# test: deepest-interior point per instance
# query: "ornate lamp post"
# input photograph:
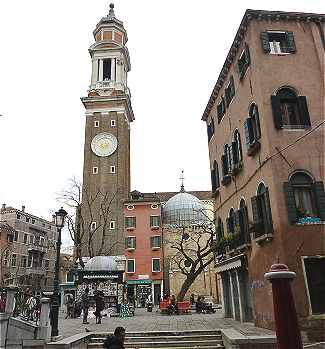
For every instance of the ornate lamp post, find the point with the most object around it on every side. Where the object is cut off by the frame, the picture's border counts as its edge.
(59, 222)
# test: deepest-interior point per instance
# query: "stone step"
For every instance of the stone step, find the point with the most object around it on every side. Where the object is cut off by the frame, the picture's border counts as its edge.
(164, 344)
(161, 333)
(185, 338)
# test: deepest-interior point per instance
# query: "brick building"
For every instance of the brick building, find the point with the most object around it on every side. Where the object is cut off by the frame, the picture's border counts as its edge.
(31, 257)
(265, 122)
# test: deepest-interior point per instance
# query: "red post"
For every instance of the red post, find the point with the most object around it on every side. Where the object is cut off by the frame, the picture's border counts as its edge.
(286, 320)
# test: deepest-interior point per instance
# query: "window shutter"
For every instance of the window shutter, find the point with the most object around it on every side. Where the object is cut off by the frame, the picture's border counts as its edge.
(318, 188)
(249, 134)
(257, 123)
(217, 176)
(235, 157)
(290, 202)
(265, 42)
(151, 241)
(291, 46)
(256, 215)
(126, 242)
(213, 180)
(276, 108)
(247, 56)
(228, 224)
(237, 224)
(230, 158)
(303, 110)
(269, 221)
(134, 242)
(224, 165)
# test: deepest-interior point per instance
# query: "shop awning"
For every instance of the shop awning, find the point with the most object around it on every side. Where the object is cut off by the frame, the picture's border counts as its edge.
(139, 282)
(229, 264)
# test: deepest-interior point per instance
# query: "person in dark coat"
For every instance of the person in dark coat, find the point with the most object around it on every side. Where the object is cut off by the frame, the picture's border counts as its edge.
(85, 305)
(117, 340)
(99, 300)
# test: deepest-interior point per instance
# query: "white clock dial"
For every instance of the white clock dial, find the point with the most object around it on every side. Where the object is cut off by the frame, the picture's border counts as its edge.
(104, 144)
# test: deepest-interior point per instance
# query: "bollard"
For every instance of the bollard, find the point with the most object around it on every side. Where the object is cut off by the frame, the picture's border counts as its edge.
(10, 303)
(45, 327)
(286, 320)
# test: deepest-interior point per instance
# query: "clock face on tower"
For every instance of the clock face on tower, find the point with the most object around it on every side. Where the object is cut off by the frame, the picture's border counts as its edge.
(104, 144)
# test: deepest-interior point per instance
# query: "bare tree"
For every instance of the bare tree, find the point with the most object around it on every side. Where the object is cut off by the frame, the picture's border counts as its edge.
(194, 247)
(83, 211)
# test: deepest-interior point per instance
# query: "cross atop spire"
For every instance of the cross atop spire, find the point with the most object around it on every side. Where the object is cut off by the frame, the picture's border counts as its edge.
(182, 181)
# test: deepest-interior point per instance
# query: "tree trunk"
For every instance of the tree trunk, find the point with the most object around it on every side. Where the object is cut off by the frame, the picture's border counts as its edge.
(186, 285)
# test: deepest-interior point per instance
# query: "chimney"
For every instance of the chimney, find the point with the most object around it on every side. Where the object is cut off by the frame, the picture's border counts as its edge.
(3, 207)
(23, 208)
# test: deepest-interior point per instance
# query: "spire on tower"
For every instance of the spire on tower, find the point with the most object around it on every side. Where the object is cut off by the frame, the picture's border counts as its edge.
(182, 182)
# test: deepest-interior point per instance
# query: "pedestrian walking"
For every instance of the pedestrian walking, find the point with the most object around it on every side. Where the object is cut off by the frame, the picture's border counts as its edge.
(69, 305)
(117, 340)
(85, 305)
(100, 304)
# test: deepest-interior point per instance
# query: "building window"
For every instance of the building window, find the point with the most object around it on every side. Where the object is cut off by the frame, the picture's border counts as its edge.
(112, 169)
(46, 264)
(237, 154)
(95, 170)
(130, 266)
(130, 207)
(33, 221)
(230, 221)
(25, 238)
(6, 258)
(130, 242)
(96, 123)
(18, 215)
(221, 109)
(304, 198)
(112, 225)
(130, 222)
(93, 226)
(226, 160)
(252, 130)
(243, 62)
(113, 123)
(289, 110)
(154, 221)
(27, 219)
(155, 265)
(242, 222)
(23, 262)
(210, 130)
(215, 181)
(31, 239)
(314, 267)
(13, 260)
(278, 42)
(107, 66)
(262, 214)
(30, 261)
(230, 91)
(155, 241)
(16, 235)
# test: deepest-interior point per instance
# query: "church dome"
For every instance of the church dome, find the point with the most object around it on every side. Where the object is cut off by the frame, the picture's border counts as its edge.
(183, 209)
(102, 263)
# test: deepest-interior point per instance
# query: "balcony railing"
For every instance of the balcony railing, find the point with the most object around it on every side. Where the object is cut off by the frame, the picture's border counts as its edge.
(35, 271)
(37, 248)
(110, 84)
(232, 242)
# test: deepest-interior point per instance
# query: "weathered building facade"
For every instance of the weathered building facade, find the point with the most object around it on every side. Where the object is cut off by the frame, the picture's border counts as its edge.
(30, 260)
(265, 121)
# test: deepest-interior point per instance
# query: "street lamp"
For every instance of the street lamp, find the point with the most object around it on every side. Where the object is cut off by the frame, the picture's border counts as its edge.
(59, 222)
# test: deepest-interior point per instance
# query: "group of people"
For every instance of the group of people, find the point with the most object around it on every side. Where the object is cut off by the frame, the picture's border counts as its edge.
(202, 307)
(85, 304)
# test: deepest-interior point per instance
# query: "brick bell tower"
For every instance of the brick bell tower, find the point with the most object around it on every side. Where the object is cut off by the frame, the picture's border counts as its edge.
(106, 171)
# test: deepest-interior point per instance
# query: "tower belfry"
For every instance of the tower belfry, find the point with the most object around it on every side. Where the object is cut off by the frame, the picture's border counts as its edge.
(106, 171)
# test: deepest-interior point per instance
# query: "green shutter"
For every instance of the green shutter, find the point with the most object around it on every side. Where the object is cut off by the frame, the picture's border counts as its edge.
(237, 222)
(289, 196)
(217, 176)
(268, 218)
(265, 42)
(247, 56)
(249, 134)
(318, 188)
(126, 242)
(235, 155)
(256, 213)
(291, 46)
(224, 165)
(303, 110)
(276, 108)
(213, 180)
(228, 226)
(256, 118)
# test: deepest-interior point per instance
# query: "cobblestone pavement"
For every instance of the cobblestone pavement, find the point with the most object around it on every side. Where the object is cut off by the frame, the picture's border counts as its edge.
(144, 321)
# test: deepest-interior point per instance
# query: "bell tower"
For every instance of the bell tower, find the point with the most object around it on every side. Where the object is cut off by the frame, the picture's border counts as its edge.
(106, 171)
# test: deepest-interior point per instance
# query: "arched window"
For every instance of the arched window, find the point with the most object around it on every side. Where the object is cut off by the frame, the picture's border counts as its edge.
(236, 148)
(243, 222)
(226, 161)
(231, 222)
(289, 110)
(220, 229)
(304, 197)
(252, 130)
(262, 214)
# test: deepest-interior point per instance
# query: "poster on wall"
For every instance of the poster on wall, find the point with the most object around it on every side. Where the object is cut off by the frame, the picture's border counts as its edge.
(109, 288)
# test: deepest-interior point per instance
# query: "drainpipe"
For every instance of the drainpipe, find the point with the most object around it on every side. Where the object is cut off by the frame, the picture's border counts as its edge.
(285, 315)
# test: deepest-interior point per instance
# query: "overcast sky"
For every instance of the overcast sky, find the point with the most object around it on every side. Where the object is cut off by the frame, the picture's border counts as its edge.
(177, 49)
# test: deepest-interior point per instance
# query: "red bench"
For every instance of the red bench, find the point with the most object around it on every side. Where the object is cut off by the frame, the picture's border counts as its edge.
(183, 307)
(163, 306)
